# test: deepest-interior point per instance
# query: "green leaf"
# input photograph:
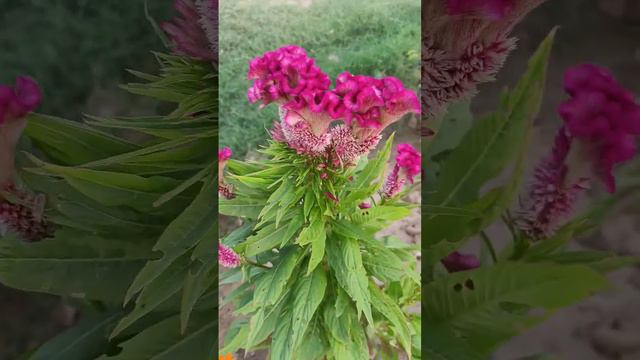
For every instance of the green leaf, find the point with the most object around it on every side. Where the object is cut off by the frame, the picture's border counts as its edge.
(163, 341)
(346, 261)
(307, 296)
(72, 264)
(71, 142)
(198, 221)
(241, 207)
(271, 287)
(460, 304)
(385, 305)
(198, 280)
(85, 340)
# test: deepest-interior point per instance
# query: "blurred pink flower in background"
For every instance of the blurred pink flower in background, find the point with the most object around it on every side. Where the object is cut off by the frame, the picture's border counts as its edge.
(225, 190)
(603, 116)
(193, 33)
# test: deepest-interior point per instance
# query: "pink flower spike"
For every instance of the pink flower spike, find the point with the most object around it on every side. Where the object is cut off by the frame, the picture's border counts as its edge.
(227, 257)
(364, 205)
(410, 160)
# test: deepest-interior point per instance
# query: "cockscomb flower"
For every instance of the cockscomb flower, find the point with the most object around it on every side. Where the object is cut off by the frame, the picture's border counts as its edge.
(408, 164)
(373, 104)
(603, 116)
(192, 31)
(15, 103)
(225, 190)
(345, 148)
(24, 216)
(456, 261)
(298, 133)
(465, 43)
(227, 257)
(552, 193)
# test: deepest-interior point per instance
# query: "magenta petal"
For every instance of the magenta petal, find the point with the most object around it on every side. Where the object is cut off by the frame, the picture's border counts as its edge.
(456, 262)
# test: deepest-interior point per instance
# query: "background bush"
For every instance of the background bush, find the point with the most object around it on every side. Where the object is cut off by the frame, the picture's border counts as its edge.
(369, 37)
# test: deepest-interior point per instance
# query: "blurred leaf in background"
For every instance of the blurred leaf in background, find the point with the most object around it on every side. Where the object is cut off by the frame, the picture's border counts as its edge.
(369, 37)
(73, 47)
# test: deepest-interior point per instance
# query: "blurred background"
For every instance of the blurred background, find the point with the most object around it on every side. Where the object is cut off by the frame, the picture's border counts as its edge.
(607, 33)
(78, 51)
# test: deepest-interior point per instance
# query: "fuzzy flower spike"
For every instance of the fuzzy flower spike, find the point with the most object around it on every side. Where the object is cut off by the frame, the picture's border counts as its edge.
(408, 165)
(192, 33)
(227, 257)
(465, 43)
(291, 79)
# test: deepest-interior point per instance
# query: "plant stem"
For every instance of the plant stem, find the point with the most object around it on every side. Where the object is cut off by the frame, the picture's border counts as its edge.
(489, 245)
(256, 264)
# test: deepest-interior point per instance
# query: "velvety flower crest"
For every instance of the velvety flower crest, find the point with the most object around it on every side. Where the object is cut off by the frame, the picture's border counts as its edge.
(602, 115)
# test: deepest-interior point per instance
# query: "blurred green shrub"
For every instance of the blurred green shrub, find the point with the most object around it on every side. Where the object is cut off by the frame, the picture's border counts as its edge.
(74, 46)
(374, 37)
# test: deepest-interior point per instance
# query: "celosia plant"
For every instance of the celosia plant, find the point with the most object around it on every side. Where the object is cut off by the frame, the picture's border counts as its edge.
(474, 303)
(314, 280)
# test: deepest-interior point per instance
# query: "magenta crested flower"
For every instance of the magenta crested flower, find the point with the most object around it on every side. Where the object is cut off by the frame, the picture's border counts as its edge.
(225, 190)
(492, 9)
(227, 257)
(17, 102)
(603, 116)
(408, 164)
(456, 262)
(552, 193)
(364, 205)
(374, 103)
(187, 31)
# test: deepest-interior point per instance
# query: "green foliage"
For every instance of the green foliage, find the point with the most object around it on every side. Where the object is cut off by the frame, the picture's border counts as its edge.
(332, 289)
(469, 313)
(74, 47)
(136, 224)
(373, 38)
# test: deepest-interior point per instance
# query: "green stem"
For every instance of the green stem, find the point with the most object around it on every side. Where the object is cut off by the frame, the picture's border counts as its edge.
(489, 245)
(256, 264)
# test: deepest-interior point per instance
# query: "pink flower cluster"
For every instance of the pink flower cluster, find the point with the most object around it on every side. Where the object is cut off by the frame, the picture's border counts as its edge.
(288, 76)
(225, 190)
(308, 107)
(227, 257)
(492, 9)
(17, 102)
(408, 164)
(603, 115)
